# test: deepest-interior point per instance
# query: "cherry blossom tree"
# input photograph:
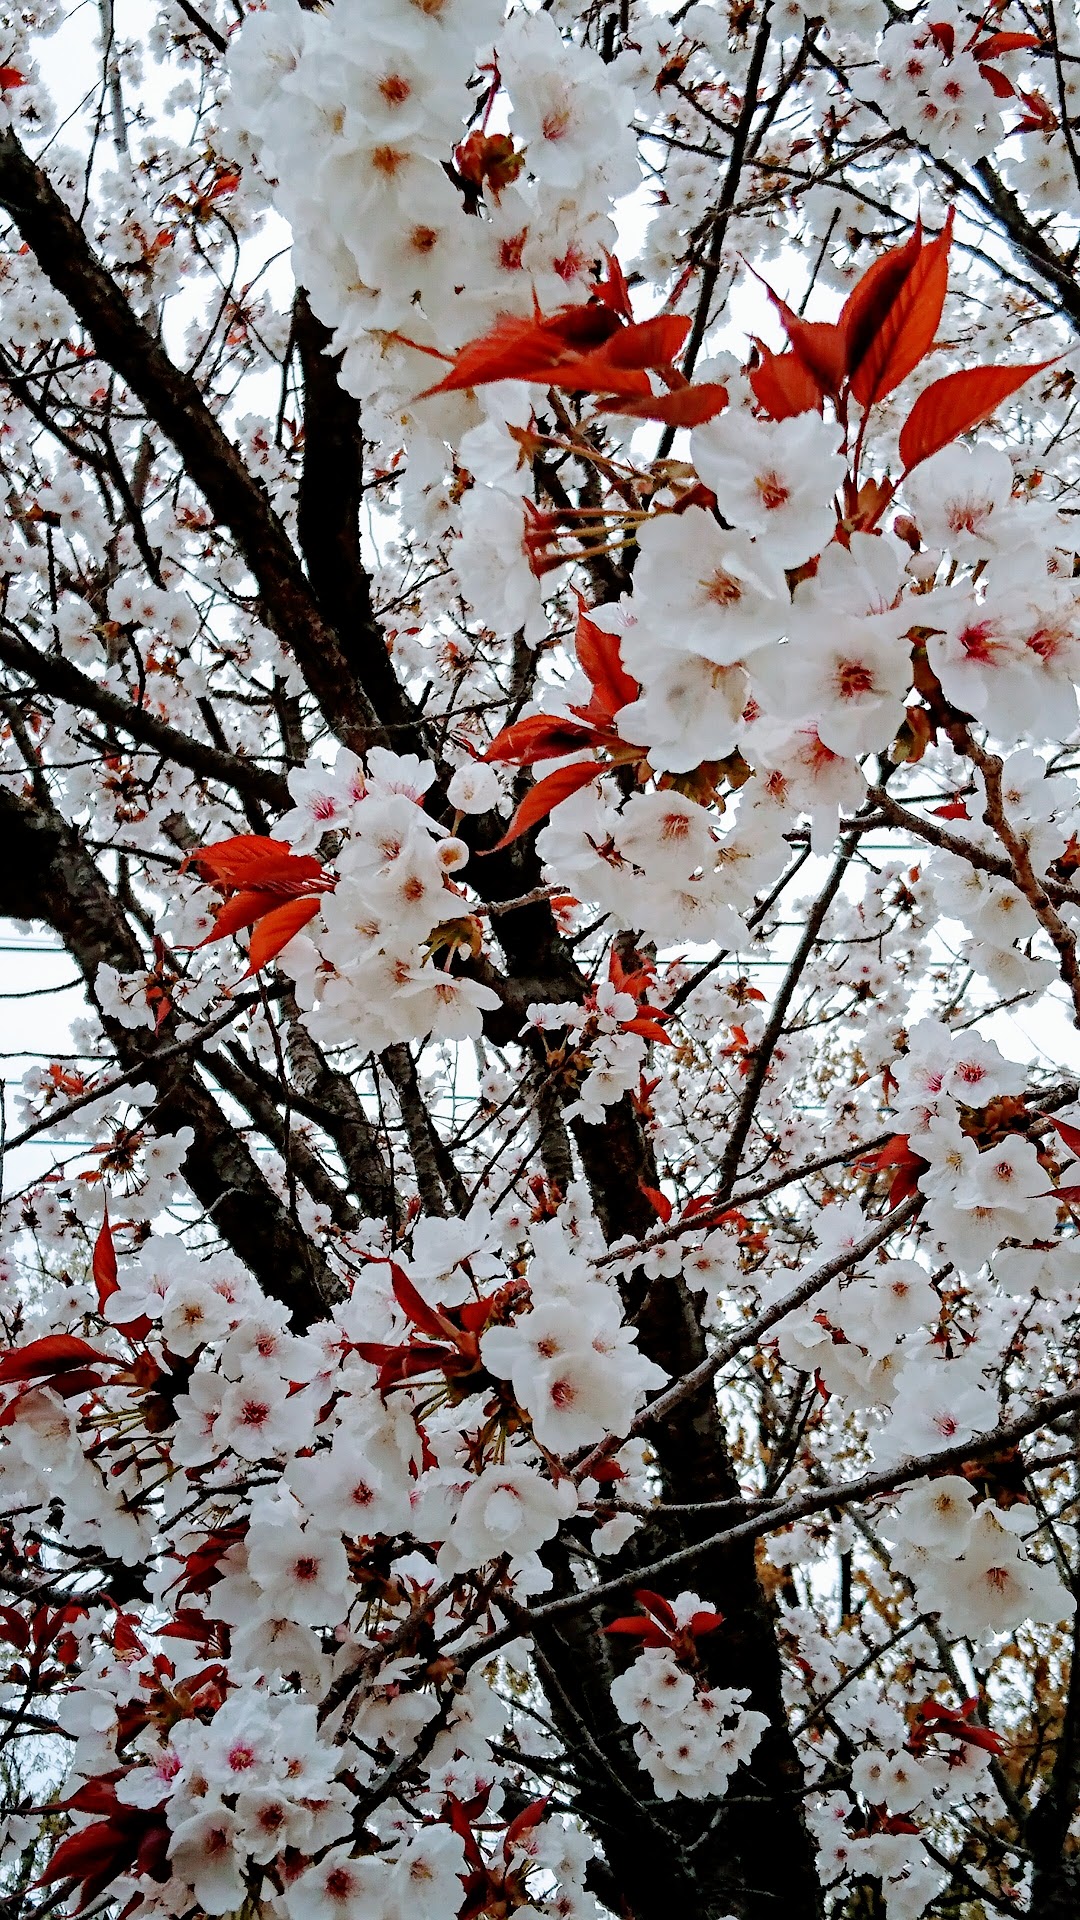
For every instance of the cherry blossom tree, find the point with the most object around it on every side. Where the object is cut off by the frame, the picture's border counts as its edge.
(539, 640)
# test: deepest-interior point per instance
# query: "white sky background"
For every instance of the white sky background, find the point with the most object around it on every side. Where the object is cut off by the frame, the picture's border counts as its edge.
(35, 1025)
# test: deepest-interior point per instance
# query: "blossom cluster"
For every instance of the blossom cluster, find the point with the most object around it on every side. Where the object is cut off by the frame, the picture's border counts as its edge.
(690, 1739)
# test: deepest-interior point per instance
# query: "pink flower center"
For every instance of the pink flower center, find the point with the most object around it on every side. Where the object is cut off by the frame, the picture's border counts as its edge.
(772, 490)
(852, 679)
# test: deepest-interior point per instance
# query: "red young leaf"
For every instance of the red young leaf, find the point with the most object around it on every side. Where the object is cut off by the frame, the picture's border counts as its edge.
(519, 349)
(958, 1724)
(869, 301)
(583, 349)
(1070, 1195)
(613, 290)
(660, 1608)
(275, 930)
(647, 343)
(633, 1627)
(647, 1024)
(95, 1855)
(596, 373)
(599, 657)
(546, 794)
(10, 78)
(906, 332)
(818, 345)
(782, 385)
(415, 1307)
(253, 860)
(542, 736)
(705, 1622)
(104, 1264)
(998, 43)
(524, 1821)
(1040, 116)
(55, 1353)
(13, 1628)
(999, 83)
(242, 910)
(686, 407)
(909, 1167)
(658, 1201)
(956, 404)
(1070, 1135)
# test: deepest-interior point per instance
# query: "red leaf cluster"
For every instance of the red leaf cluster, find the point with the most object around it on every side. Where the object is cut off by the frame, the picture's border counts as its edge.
(957, 1723)
(595, 348)
(48, 1631)
(488, 160)
(271, 889)
(648, 1021)
(126, 1840)
(886, 326)
(492, 1886)
(545, 736)
(661, 1628)
(452, 1345)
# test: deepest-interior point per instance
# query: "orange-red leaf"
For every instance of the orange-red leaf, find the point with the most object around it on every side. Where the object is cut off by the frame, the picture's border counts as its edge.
(415, 1307)
(546, 794)
(635, 1628)
(869, 301)
(818, 345)
(1040, 116)
(104, 1264)
(998, 43)
(648, 343)
(582, 349)
(658, 1201)
(614, 290)
(686, 407)
(956, 404)
(660, 1608)
(906, 332)
(242, 910)
(54, 1353)
(276, 929)
(519, 349)
(595, 373)
(999, 83)
(253, 860)
(782, 385)
(10, 78)
(543, 736)
(1070, 1135)
(599, 657)
(705, 1621)
(522, 1822)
